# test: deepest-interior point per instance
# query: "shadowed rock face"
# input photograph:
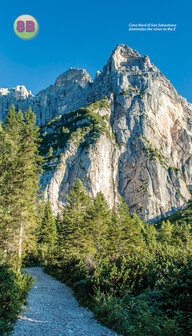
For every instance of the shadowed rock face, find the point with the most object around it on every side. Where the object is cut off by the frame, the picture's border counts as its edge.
(142, 148)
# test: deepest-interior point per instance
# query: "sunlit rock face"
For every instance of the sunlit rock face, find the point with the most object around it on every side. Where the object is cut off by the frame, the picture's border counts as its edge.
(131, 134)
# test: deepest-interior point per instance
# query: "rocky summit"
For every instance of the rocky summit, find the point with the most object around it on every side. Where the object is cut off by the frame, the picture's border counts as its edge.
(127, 132)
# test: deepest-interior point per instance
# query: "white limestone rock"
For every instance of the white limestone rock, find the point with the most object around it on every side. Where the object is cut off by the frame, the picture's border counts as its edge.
(149, 163)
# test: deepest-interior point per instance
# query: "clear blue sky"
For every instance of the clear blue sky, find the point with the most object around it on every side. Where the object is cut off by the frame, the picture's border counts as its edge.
(83, 33)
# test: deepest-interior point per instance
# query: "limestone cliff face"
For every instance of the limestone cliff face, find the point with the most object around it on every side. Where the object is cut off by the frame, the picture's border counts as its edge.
(65, 95)
(128, 132)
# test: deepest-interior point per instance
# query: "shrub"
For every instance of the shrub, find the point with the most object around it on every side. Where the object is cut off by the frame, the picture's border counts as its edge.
(134, 316)
(13, 290)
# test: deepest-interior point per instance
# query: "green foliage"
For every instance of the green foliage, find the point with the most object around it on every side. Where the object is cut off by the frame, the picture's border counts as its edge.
(82, 127)
(137, 316)
(127, 235)
(175, 234)
(135, 276)
(76, 240)
(124, 93)
(177, 295)
(154, 153)
(47, 230)
(50, 153)
(20, 168)
(181, 216)
(47, 234)
(99, 217)
(13, 290)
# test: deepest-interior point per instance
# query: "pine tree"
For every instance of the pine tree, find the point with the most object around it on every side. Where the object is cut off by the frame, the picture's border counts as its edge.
(76, 240)
(149, 234)
(59, 246)
(166, 232)
(9, 195)
(47, 235)
(126, 231)
(181, 235)
(58, 223)
(5, 214)
(48, 230)
(114, 234)
(19, 183)
(99, 217)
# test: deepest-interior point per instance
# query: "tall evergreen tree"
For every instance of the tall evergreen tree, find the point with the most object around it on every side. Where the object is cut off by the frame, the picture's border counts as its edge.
(48, 230)
(181, 235)
(75, 227)
(126, 231)
(166, 232)
(19, 182)
(47, 236)
(99, 217)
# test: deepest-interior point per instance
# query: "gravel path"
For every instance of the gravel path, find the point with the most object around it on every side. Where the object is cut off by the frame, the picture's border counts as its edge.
(52, 310)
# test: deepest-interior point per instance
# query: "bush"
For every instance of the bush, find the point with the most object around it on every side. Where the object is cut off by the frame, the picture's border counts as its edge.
(138, 277)
(177, 296)
(135, 316)
(13, 290)
(140, 295)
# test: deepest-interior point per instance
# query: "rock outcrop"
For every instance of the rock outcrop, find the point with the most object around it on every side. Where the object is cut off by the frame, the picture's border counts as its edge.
(126, 133)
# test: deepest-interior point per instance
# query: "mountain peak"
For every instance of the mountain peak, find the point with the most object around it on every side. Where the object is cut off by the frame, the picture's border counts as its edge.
(19, 92)
(139, 146)
(125, 58)
(66, 79)
(125, 51)
(73, 75)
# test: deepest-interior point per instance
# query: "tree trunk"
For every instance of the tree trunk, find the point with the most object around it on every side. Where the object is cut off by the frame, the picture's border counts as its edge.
(20, 244)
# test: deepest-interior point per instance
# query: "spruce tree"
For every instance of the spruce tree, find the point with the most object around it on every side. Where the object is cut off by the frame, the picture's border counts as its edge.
(166, 232)
(9, 195)
(76, 240)
(128, 234)
(6, 145)
(19, 183)
(47, 236)
(114, 236)
(181, 235)
(99, 217)
(48, 230)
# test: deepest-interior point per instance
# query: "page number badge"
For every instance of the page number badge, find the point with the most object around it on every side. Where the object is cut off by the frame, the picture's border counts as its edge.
(26, 27)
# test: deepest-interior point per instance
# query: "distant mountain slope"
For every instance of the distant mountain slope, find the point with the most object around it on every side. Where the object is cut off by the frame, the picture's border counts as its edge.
(128, 132)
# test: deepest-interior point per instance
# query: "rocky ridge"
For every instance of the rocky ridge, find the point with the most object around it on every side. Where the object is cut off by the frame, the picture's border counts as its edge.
(126, 133)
